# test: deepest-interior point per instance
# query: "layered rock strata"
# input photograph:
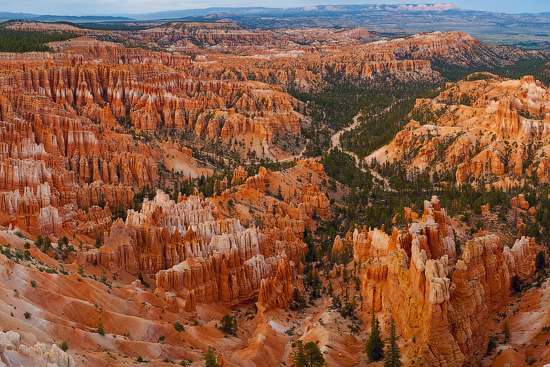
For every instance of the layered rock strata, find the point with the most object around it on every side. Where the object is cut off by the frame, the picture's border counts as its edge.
(444, 302)
(199, 257)
(482, 129)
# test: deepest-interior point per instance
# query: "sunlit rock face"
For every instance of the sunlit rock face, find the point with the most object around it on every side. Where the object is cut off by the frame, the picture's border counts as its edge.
(416, 277)
(199, 257)
(483, 128)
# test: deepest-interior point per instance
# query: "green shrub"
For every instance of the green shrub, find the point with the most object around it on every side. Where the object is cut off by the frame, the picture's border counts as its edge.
(100, 328)
(178, 326)
(20, 234)
(228, 324)
(64, 346)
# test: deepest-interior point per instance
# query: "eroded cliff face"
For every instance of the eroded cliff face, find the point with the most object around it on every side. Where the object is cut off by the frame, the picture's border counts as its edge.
(459, 49)
(55, 161)
(479, 130)
(156, 90)
(64, 146)
(182, 35)
(444, 301)
(64, 142)
(39, 354)
(199, 257)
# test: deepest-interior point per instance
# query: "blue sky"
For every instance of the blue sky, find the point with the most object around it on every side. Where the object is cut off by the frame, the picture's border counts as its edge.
(85, 7)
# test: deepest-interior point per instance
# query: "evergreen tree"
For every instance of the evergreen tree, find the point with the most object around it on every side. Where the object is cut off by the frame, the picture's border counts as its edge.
(393, 355)
(279, 193)
(121, 213)
(47, 243)
(60, 244)
(375, 345)
(314, 356)
(210, 358)
(307, 355)
(228, 324)
(506, 332)
(516, 284)
(176, 191)
(39, 241)
(298, 355)
(100, 329)
(24, 41)
(540, 261)
(99, 241)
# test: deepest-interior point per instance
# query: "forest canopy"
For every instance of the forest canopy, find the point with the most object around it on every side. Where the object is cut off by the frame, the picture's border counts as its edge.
(25, 41)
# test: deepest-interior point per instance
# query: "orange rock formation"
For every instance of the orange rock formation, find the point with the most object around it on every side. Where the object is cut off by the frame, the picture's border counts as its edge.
(484, 130)
(407, 274)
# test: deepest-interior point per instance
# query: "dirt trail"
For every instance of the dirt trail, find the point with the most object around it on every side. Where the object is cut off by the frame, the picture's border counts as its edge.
(335, 143)
(335, 139)
(294, 156)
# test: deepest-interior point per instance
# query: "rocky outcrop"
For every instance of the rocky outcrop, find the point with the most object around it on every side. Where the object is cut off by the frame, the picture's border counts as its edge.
(480, 286)
(190, 301)
(12, 351)
(50, 221)
(117, 252)
(520, 202)
(171, 303)
(44, 27)
(258, 181)
(409, 274)
(239, 176)
(218, 278)
(61, 120)
(313, 165)
(277, 291)
(184, 34)
(199, 258)
(315, 202)
(434, 233)
(53, 156)
(456, 48)
(521, 257)
(487, 129)
(369, 244)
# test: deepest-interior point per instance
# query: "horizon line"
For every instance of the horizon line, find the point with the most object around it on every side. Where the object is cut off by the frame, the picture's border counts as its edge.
(128, 15)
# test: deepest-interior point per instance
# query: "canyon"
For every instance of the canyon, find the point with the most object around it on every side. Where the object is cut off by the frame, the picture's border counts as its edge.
(158, 181)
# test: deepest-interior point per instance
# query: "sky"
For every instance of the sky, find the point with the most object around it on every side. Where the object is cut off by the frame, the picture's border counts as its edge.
(113, 7)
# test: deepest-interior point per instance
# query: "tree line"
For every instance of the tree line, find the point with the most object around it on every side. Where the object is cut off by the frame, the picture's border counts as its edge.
(26, 41)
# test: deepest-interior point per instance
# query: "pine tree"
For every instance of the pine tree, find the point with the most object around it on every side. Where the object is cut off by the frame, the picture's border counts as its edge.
(39, 241)
(540, 261)
(121, 212)
(210, 358)
(506, 332)
(228, 324)
(393, 356)
(307, 355)
(47, 243)
(176, 191)
(298, 355)
(314, 356)
(100, 329)
(279, 193)
(374, 347)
